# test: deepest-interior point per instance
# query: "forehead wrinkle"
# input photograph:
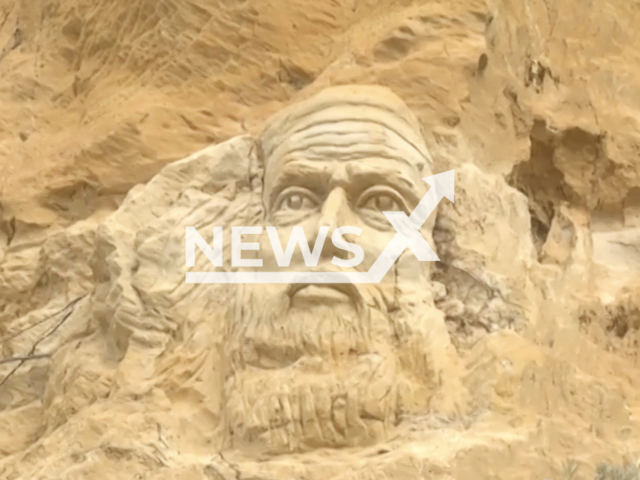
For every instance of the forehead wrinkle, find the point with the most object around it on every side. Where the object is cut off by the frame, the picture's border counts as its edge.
(326, 122)
(351, 139)
(350, 127)
(360, 160)
(326, 151)
(358, 169)
(303, 132)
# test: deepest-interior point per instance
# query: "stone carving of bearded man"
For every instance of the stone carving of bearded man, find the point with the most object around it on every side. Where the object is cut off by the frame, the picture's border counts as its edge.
(314, 366)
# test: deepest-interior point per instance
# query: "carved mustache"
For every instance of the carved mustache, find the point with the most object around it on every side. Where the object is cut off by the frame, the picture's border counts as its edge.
(349, 289)
(361, 295)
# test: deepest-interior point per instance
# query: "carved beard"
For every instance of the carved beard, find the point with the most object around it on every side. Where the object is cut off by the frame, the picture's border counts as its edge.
(325, 373)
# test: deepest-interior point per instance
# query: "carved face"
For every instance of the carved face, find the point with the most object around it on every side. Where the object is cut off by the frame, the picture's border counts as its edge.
(333, 365)
(313, 180)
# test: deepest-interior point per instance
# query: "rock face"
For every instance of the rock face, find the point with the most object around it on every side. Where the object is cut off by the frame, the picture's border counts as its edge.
(514, 356)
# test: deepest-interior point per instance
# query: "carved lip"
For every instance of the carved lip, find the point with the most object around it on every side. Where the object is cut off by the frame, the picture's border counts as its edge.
(330, 292)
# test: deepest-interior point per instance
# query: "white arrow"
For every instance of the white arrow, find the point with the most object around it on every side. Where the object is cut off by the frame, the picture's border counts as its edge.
(408, 227)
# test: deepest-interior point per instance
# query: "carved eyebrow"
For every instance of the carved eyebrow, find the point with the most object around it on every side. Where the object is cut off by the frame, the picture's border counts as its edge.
(311, 175)
(369, 176)
(315, 176)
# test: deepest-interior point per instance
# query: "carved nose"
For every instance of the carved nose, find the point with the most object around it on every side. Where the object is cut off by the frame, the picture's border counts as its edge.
(335, 213)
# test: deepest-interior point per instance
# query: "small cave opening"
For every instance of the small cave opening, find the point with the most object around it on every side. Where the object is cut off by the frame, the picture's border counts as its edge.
(543, 183)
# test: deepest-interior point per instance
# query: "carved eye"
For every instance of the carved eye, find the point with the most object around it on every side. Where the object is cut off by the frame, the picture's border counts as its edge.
(295, 199)
(381, 199)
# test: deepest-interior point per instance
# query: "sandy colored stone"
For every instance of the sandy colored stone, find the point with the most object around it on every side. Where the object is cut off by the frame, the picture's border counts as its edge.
(517, 355)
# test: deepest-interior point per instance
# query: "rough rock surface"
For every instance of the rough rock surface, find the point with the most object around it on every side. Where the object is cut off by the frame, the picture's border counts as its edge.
(535, 105)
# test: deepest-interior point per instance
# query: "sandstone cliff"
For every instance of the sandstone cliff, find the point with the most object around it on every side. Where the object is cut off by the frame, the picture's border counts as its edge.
(533, 103)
